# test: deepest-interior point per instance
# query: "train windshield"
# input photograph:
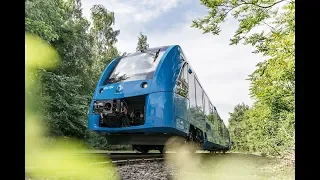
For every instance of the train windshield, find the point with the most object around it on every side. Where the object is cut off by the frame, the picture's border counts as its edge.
(136, 66)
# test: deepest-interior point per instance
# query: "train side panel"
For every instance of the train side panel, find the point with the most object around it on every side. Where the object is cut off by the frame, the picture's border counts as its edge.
(165, 79)
(167, 72)
(201, 113)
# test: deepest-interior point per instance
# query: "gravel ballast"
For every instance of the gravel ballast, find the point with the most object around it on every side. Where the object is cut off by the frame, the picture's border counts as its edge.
(215, 166)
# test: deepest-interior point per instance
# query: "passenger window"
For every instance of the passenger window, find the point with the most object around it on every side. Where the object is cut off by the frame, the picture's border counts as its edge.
(215, 116)
(210, 116)
(182, 83)
(221, 126)
(199, 94)
(192, 90)
(206, 105)
(208, 126)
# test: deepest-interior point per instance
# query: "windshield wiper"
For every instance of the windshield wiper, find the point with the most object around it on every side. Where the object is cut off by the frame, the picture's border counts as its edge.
(156, 54)
(118, 78)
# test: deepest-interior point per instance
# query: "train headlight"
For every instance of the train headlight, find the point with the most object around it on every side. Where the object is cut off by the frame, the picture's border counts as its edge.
(144, 85)
(108, 106)
(97, 106)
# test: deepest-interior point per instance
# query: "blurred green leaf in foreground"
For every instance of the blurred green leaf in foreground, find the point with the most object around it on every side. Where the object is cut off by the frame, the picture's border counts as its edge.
(60, 161)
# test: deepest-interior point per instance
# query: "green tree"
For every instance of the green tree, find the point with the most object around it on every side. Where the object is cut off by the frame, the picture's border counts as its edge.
(84, 51)
(238, 113)
(142, 43)
(270, 121)
(236, 126)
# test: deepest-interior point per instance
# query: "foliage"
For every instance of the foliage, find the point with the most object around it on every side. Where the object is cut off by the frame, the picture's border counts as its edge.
(268, 126)
(84, 50)
(237, 127)
(142, 43)
(67, 109)
(56, 164)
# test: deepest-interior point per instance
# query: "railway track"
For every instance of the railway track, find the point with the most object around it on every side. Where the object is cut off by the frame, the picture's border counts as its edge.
(119, 158)
(130, 158)
(115, 158)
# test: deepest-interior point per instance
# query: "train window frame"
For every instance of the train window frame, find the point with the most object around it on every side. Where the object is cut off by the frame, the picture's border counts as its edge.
(183, 73)
(215, 114)
(192, 88)
(221, 124)
(182, 57)
(202, 92)
(208, 125)
(210, 107)
(206, 99)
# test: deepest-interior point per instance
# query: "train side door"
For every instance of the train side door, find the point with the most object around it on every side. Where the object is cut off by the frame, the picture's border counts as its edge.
(181, 102)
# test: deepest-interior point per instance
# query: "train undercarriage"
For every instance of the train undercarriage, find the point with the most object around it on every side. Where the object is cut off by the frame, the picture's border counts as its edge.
(144, 142)
(192, 142)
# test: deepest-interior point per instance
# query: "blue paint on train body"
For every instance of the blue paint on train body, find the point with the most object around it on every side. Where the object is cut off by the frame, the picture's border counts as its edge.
(166, 111)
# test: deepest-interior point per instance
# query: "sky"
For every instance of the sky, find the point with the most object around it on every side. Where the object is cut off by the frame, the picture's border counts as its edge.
(222, 69)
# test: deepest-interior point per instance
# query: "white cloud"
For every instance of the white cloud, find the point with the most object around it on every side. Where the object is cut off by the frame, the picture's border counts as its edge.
(134, 11)
(221, 68)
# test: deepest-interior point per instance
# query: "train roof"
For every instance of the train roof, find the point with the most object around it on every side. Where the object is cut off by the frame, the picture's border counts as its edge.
(161, 47)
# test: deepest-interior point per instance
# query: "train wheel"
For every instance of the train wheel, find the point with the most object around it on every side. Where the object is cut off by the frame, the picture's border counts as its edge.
(144, 150)
(162, 150)
(192, 143)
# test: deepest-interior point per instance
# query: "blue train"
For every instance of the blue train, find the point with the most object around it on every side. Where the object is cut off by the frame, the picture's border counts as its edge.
(146, 97)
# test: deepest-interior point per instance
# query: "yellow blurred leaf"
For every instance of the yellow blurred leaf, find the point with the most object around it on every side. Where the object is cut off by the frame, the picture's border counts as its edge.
(39, 54)
(62, 161)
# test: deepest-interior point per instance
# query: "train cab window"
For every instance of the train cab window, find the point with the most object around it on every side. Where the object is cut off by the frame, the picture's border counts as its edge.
(182, 83)
(136, 66)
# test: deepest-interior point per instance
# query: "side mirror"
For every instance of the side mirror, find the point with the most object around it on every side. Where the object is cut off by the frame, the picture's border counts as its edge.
(190, 71)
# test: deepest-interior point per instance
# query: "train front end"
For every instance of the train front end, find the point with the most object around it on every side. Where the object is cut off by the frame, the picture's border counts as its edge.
(127, 105)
